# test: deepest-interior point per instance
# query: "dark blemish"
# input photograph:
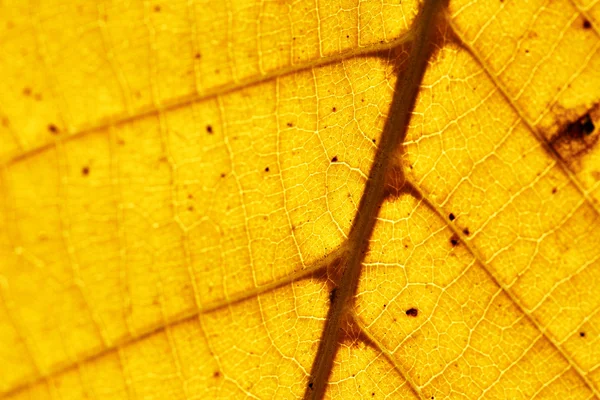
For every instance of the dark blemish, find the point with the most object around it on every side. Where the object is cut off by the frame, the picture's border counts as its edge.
(452, 217)
(190, 208)
(575, 139)
(290, 124)
(267, 169)
(586, 24)
(53, 129)
(373, 394)
(156, 8)
(121, 142)
(310, 385)
(347, 36)
(332, 295)
(374, 141)
(554, 190)
(85, 171)
(217, 374)
(27, 91)
(293, 38)
(582, 334)
(526, 50)
(334, 109)
(198, 56)
(385, 305)
(334, 159)
(466, 231)
(209, 129)
(412, 312)
(454, 240)
(223, 175)
(362, 100)
(190, 196)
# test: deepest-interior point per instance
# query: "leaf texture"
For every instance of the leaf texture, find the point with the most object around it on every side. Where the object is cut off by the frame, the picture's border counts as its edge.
(180, 182)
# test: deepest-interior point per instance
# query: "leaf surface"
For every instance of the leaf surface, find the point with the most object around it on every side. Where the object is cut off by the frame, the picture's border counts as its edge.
(180, 182)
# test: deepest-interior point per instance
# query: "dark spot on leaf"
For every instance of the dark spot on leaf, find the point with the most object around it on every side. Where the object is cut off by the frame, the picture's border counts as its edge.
(332, 295)
(582, 334)
(385, 305)
(454, 240)
(575, 139)
(466, 231)
(156, 8)
(451, 217)
(267, 169)
(85, 171)
(373, 394)
(217, 374)
(223, 175)
(554, 190)
(347, 36)
(209, 129)
(374, 141)
(586, 24)
(290, 124)
(190, 196)
(53, 129)
(190, 208)
(198, 56)
(334, 159)
(27, 91)
(310, 385)
(334, 109)
(412, 312)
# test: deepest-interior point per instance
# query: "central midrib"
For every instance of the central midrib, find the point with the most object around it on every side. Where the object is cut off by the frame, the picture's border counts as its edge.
(394, 132)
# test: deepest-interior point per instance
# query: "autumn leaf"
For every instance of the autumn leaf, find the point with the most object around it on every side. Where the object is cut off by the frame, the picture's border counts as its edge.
(300, 199)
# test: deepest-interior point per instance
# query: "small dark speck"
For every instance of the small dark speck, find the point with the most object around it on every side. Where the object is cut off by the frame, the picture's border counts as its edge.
(586, 24)
(290, 124)
(334, 109)
(373, 394)
(454, 240)
(385, 305)
(267, 169)
(157, 8)
(334, 159)
(27, 91)
(310, 385)
(582, 334)
(466, 231)
(223, 175)
(587, 126)
(554, 190)
(85, 171)
(53, 129)
(526, 50)
(332, 295)
(451, 217)
(198, 56)
(347, 36)
(217, 374)
(209, 129)
(412, 312)
(374, 141)
(190, 208)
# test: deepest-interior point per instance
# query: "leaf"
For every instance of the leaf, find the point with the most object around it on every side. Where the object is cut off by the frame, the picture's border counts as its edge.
(181, 184)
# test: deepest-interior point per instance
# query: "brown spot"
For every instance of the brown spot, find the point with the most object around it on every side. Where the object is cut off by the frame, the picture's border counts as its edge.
(290, 124)
(374, 141)
(554, 190)
(385, 305)
(310, 385)
(582, 334)
(334, 109)
(334, 159)
(454, 240)
(217, 374)
(209, 129)
(27, 91)
(197, 56)
(156, 8)
(412, 312)
(576, 138)
(451, 217)
(53, 129)
(586, 24)
(191, 208)
(190, 196)
(466, 231)
(332, 295)
(223, 175)
(267, 169)
(85, 171)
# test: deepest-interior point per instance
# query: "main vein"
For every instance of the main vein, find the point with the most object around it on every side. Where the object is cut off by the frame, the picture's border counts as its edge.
(394, 132)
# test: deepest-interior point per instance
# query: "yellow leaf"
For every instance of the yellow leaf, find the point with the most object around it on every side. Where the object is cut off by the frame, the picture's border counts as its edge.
(239, 199)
